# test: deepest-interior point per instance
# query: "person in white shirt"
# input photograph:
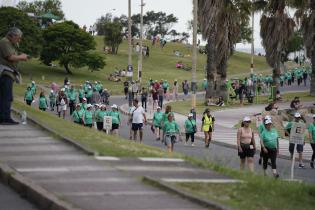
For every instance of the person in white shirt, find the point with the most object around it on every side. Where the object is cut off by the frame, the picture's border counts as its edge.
(138, 118)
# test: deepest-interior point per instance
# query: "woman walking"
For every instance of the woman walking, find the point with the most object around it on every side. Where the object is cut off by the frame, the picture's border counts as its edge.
(87, 118)
(100, 117)
(77, 114)
(157, 122)
(115, 119)
(43, 104)
(207, 126)
(62, 102)
(171, 129)
(246, 145)
(270, 147)
(190, 129)
(28, 96)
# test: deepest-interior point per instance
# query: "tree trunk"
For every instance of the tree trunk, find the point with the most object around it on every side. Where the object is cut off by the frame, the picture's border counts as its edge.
(276, 80)
(67, 69)
(221, 80)
(312, 90)
(211, 65)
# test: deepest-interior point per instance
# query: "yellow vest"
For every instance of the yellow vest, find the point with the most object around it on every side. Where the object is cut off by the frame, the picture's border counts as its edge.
(207, 123)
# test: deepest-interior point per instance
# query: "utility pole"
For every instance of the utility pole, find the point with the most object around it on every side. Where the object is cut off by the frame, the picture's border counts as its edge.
(129, 67)
(141, 45)
(253, 49)
(194, 56)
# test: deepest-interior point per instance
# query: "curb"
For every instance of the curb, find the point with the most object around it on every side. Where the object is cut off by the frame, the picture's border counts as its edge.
(63, 138)
(32, 192)
(166, 187)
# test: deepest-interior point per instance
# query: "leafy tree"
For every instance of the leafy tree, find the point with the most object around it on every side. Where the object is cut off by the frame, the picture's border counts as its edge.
(41, 7)
(113, 36)
(173, 33)
(32, 39)
(159, 22)
(67, 43)
(295, 44)
(101, 22)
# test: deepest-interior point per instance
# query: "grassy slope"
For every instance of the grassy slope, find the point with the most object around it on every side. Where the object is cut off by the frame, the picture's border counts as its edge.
(160, 65)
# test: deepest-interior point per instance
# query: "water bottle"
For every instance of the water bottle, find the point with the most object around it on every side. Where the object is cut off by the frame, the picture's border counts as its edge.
(24, 117)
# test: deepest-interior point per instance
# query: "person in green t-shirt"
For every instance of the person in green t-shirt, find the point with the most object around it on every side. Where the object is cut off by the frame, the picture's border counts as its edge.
(89, 94)
(33, 87)
(99, 117)
(84, 104)
(261, 129)
(81, 93)
(115, 119)
(311, 130)
(157, 122)
(43, 104)
(72, 95)
(170, 129)
(28, 96)
(205, 84)
(190, 129)
(77, 114)
(87, 117)
(52, 100)
(270, 147)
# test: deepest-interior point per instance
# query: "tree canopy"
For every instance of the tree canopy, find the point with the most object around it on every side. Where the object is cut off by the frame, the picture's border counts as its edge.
(67, 43)
(41, 7)
(31, 40)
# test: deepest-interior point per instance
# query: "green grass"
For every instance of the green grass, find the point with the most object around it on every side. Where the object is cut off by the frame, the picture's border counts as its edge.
(103, 144)
(160, 65)
(256, 194)
(183, 107)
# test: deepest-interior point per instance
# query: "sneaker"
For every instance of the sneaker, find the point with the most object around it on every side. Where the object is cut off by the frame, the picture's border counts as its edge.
(259, 161)
(192, 144)
(207, 145)
(301, 165)
(312, 164)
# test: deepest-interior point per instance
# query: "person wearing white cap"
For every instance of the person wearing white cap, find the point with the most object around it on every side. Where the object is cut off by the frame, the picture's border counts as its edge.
(299, 147)
(33, 87)
(52, 100)
(261, 129)
(311, 130)
(115, 119)
(138, 118)
(87, 117)
(270, 147)
(62, 101)
(84, 104)
(190, 129)
(89, 94)
(246, 144)
(157, 122)
(100, 117)
(81, 93)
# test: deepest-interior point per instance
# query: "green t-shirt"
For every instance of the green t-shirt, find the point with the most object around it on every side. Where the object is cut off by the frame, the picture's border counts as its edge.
(95, 113)
(81, 93)
(115, 117)
(72, 94)
(43, 103)
(89, 94)
(157, 118)
(170, 127)
(34, 88)
(101, 114)
(88, 117)
(83, 106)
(190, 126)
(165, 116)
(28, 95)
(6, 50)
(270, 138)
(311, 129)
(261, 128)
(52, 97)
(77, 116)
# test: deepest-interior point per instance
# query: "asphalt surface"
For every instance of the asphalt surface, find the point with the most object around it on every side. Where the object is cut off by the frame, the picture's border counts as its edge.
(10, 200)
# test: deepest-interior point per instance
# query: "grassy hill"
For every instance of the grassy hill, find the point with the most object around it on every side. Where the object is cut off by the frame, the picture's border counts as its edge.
(160, 65)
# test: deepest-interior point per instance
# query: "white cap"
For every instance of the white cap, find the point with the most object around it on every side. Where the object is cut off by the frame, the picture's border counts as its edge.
(96, 105)
(62, 89)
(313, 115)
(297, 115)
(51, 91)
(267, 117)
(204, 79)
(89, 87)
(114, 106)
(158, 107)
(68, 83)
(190, 115)
(103, 105)
(268, 122)
(246, 119)
(89, 105)
(84, 99)
(66, 86)
(33, 82)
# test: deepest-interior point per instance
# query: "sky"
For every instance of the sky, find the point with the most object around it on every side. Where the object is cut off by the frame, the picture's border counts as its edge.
(86, 12)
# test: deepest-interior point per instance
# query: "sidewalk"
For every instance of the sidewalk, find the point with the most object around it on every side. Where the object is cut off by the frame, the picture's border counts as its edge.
(225, 120)
(97, 183)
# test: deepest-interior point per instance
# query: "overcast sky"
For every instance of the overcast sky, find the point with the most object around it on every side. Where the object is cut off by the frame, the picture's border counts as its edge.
(86, 12)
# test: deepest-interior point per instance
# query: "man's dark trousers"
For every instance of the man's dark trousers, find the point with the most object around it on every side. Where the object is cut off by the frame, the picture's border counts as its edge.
(6, 97)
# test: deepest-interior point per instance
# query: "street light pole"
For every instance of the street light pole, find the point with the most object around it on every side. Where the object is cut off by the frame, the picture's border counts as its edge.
(252, 47)
(194, 55)
(129, 68)
(141, 44)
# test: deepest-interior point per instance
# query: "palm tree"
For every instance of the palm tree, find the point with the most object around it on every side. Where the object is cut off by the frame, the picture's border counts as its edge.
(276, 30)
(220, 23)
(305, 14)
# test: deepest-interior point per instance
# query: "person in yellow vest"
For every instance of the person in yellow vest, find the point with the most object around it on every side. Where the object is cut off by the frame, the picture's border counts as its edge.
(207, 126)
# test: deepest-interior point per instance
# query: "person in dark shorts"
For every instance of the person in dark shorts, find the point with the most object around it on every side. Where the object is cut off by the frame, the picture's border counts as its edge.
(246, 144)
(138, 118)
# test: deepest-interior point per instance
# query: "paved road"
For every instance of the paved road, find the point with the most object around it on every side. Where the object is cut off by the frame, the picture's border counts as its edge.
(10, 200)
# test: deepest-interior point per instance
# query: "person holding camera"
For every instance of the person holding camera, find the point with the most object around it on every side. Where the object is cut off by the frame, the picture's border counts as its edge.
(9, 59)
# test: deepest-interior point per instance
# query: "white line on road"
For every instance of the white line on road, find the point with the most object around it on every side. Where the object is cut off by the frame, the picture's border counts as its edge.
(150, 159)
(109, 158)
(156, 168)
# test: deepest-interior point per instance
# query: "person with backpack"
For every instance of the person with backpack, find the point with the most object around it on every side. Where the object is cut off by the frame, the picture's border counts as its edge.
(207, 126)
(43, 104)
(246, 145)
(190, 129)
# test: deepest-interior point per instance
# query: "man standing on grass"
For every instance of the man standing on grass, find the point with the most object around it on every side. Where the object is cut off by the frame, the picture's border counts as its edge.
(9, 59)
